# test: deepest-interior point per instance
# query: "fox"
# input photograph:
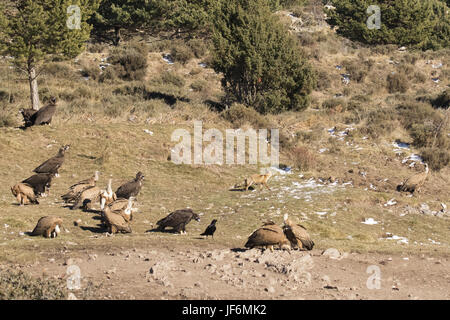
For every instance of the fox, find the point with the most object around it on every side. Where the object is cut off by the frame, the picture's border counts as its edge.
(24, 194)
(260, 179)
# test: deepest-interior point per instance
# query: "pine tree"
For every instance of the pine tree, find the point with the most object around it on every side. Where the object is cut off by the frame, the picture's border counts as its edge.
(37, 30)
(261, 64)
(417, 23)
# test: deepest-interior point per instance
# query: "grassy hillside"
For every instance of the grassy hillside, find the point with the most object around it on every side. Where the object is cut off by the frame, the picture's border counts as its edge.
(347, 134)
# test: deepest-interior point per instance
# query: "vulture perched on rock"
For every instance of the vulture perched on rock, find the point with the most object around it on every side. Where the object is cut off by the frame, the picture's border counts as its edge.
(53, 164)
(40, 183)
(131, 188)
(76, 189)
(48, 227)
(415, 182)
(267, 236)
(107, 196)
(86, 198)
(27, 115)
(178, 220)
(210, 229)
(297, 235)
(116, 221)
(24, 194)
(45, 114)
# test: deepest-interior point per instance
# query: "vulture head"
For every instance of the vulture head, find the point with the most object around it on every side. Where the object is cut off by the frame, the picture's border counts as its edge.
(139, 176)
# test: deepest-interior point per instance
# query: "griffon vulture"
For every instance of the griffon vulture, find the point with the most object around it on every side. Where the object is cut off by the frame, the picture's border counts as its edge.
(115, 222)
(44, 115)
(40, 183)
(415, 182)
(297, 235)
(210, 229)
(268, 235)
(24, 193)
(107, 196)
(131, 188)
(48, 227)
(178, 220)
(86, 198)
(53, 164)
(77, 188)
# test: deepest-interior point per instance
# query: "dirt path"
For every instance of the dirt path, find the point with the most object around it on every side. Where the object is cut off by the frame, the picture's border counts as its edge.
(220, 273)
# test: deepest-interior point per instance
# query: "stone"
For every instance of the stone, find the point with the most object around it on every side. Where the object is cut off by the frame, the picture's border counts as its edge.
(332, 253)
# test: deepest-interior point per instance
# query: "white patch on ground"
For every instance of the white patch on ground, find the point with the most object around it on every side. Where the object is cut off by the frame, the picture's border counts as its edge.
(390, 202)
(370, 221)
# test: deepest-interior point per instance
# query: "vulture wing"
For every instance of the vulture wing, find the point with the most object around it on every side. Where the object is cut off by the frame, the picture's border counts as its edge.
(298, 236)
(39, 182)
(50, 166)
(116, 221)
(44, 115)
(266, 236)
(175, 218)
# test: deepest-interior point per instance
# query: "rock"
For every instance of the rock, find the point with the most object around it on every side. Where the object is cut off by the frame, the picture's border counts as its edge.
(425, 209)
(77, 222)
(159, 269)
(93, 257)
(332, 253)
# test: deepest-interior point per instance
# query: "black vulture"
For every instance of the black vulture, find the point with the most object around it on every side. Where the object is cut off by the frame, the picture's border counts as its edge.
(44, 115)
(210, 229)
(177, 220)
(53, 164)
(131, 188)
(40, 182)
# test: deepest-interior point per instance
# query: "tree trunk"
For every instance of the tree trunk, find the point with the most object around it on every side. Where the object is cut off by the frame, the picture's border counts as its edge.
(34, 93)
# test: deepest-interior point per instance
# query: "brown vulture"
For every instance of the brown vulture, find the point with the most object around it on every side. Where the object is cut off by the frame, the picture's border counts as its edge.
(415, 182)
(77, 188)
(27, 115)
(24, 193)
(49, 227)
(267, 236)
(209, 231)
(178, 220)
(53, 164)
(86, 198)
(131, 188)
(297, 235)
(40, 183)
(115, 221)
(44, 115)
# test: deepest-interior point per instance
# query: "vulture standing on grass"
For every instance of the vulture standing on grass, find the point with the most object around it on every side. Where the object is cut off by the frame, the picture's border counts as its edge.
(53, 164)
(178, 220)
(24, 194)
(116, 221)
(27, 115)
(267, 236)
(45, 114)
(107, 196)
(40, 183)
(297, 235)
(210, 229)
(131, 188)
(49, 227)
(415, 182)
(86, 198)
(76, 189)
